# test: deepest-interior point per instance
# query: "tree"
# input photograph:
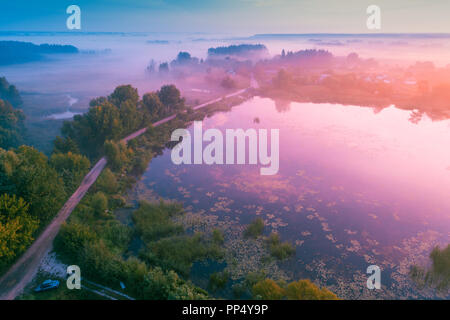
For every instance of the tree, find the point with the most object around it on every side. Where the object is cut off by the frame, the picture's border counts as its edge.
(16, 228)
(26, 173)
(153, 106)
(11, 125)
(130, 117)
(107, 182)
(71, 168)
(163, 67)
(267, 289)
(117, 154)
(124, 93)
(170, 96)
(306, 290)
(228, 83)
(9, 93)
(72, 238)
(99, 203)
(65, 145)
(93, 128)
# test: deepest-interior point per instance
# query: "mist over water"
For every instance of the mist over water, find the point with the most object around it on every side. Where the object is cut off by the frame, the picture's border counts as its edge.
(107, 60)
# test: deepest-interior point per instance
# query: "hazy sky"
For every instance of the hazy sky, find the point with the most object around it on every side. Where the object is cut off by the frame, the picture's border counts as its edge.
(227, 16)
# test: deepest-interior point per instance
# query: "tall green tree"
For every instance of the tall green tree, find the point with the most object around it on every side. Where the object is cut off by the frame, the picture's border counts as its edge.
(71, 168)
(11, 125)
(16, 228)
(26, 173)
(93, 128)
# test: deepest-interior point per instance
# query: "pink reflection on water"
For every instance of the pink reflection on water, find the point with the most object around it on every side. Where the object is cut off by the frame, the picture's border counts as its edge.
(382, 153)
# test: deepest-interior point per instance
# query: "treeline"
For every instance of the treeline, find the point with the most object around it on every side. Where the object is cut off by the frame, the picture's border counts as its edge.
(11, 119)
(94, 238)
(115, 116)
(19, 52)
(34, 187)
(237, 50)
(32, 190)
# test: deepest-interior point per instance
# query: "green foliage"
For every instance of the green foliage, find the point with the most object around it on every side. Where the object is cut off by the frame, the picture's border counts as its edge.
(116, 235)
(179, 253)
(61, 145)
(71, 168)
(153, 221)
(218, 280)
(117, 153)
(107, 182)
(16, 228)
(71, 240)
(26, 173)
(11, 125)
(94, 253)
(306, 290)
(124, 93)
(9, 93)
(99, 204)
(93, 128)
(254, 277)
(114, 117)
(438, 275)
(217, 236)
(170, 97)
(153, 106)
(255, 228)
(278, 249)
(268, 289)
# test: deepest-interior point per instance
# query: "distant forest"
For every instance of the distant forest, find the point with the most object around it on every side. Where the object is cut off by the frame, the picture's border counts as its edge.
(237, 50)
(12, 52)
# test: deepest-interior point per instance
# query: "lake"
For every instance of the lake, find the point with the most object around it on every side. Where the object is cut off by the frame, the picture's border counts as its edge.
(356, 186)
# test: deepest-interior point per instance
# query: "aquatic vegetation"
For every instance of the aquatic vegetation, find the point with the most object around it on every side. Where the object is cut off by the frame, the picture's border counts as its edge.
(153, 220)
(278, 249)
(218, 280)
(438, 275)
(255, 228)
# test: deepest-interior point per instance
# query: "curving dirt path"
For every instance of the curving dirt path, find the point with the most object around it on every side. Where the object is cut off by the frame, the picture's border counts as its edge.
(23, 271)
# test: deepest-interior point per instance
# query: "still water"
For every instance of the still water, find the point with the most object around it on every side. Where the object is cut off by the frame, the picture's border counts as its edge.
(355, 187)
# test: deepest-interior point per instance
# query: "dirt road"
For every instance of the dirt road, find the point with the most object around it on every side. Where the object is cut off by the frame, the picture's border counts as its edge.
(24, 270)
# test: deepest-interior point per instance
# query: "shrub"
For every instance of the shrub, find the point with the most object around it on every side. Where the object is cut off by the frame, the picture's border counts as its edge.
(255, 228)
(278, 249)
(217, 236)
(218, 280)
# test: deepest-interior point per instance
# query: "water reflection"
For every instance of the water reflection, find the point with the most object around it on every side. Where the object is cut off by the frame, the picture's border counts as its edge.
(354, 188)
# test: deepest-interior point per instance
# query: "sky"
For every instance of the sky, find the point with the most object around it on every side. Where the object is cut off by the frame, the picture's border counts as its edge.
(240, 17)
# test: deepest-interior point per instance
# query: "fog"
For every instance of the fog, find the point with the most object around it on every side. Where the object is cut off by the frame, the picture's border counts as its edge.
(107, 60)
